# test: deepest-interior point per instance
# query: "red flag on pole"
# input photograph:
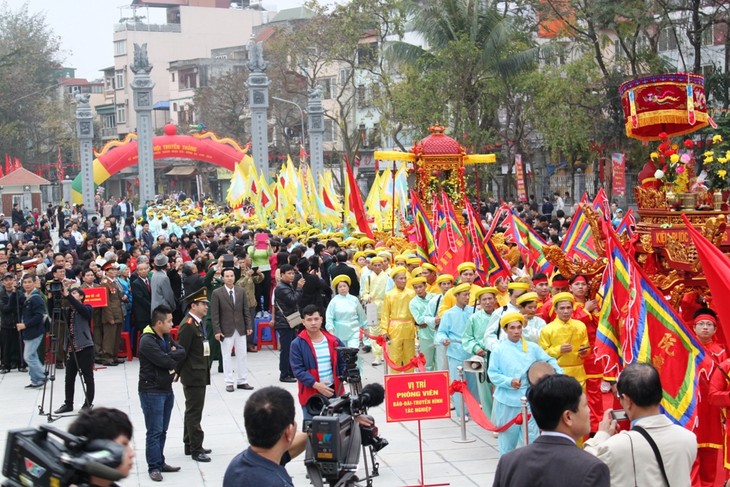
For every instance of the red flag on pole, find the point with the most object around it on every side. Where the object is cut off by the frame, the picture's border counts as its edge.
(59, 166)
(355, 202)
(17, 164)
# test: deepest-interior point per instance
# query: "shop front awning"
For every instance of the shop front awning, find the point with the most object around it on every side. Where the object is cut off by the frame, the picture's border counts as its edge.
(161, 105)
(181, 171)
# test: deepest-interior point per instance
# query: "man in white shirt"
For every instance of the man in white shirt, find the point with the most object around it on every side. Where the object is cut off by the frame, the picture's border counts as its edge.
(629, 454)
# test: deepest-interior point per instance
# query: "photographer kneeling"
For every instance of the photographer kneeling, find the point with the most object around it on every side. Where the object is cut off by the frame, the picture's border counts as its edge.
(80, 348)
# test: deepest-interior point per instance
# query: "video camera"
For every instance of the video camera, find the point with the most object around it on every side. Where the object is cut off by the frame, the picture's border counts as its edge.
(55, 286)
(32, 457)
(335, 437)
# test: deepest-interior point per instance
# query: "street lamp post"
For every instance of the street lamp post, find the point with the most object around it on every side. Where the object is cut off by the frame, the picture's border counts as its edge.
(301, 112)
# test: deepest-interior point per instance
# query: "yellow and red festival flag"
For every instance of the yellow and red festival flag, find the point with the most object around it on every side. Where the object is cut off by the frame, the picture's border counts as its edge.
(452, 248)
(637, 324)
(578, 241)
(475, 235)
(426, 241)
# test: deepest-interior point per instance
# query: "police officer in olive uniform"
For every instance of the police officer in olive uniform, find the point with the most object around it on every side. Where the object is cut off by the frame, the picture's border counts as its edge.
(112, 316)
(195, 371)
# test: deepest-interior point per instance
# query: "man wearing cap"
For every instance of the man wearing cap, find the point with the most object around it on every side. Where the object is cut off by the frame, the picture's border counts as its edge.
(558, 285)
(345, 315)
(162, 294)
(430, 272)
(467, 274)
(412, 263)
(586, 310)
(194, 372)
(473, 341)
(542, 288)
(426, 333)
(709, 416)
(527, 303)
(566, 339)
(494, 334)
(396, 322)
(444, 282)
(451, 334)
(373, 293)
(501, 282)
(112, 316)
(508, 367)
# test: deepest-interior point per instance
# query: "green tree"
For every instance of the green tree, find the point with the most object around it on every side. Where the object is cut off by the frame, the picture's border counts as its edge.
(222, 104)
(32, 124)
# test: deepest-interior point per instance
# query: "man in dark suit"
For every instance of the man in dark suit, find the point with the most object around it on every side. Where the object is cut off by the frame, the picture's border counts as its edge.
(561, 411)
(343, 268)
(231, 325)
(194, 372)
(141, 302)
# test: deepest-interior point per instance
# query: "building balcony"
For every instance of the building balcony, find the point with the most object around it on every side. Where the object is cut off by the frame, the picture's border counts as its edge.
(142, 27)
(109, 133)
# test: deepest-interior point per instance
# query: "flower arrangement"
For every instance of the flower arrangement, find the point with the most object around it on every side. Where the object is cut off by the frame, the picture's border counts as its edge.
(674, 164)
(715, 164)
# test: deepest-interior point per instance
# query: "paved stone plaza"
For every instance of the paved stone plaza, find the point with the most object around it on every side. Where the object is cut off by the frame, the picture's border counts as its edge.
(444, 460)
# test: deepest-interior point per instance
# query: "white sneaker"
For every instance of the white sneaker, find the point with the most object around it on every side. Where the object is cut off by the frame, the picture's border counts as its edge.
(377, 362)
(259, 314)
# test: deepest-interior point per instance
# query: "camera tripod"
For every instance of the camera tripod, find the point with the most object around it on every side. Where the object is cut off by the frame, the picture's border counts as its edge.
(56, 347)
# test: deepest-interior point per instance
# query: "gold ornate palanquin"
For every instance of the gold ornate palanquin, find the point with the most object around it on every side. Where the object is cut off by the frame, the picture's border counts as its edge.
(438, 164)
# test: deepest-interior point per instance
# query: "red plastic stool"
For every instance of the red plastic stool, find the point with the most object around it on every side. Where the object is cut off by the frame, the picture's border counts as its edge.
(126, 349)
(273, 342)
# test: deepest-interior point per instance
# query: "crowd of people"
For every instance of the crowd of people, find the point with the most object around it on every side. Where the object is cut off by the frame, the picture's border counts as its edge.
(188, 285)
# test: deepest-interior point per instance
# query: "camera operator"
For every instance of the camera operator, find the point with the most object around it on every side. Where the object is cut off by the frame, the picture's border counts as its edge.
(315, 360)
(56, 310)
(106, 424)
(80, 347)
(9, 337)
(272, 435)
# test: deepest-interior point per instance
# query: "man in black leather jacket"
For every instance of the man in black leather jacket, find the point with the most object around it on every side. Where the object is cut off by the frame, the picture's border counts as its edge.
(159, 356)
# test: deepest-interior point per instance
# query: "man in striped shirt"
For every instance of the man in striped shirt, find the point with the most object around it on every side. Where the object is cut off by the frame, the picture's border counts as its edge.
(315, 360)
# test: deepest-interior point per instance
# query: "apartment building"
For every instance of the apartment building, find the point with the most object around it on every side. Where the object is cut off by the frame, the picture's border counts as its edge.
(193, 29)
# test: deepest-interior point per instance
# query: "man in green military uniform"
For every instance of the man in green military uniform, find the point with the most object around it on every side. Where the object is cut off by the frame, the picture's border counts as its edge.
(194, 372)
(112, 316)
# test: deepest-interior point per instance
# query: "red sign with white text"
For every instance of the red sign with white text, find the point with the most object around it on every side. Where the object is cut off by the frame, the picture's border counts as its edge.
(96, 297)
(618, 168)
(520, 174)
(412, 397)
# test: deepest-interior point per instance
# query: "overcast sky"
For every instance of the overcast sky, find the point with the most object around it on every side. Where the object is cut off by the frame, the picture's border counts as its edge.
(85, 27)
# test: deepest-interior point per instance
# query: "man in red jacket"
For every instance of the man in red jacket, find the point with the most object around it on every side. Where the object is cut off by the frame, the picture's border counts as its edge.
(315, 360)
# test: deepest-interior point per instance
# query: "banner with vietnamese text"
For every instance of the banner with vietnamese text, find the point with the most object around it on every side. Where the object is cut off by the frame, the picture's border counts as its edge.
(520, 174)
(618, 169)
